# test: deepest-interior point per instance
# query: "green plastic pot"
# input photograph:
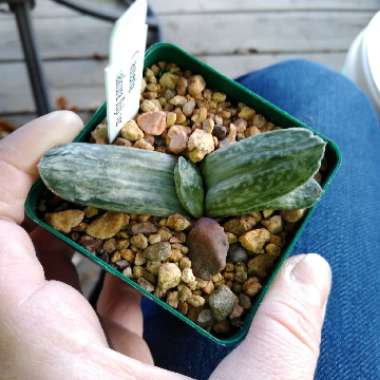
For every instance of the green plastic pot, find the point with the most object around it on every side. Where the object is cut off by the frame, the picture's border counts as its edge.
(236, 93)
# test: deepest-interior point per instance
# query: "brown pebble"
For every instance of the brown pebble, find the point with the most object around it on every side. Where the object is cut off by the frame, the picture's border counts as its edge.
(176, 139)
(66, 220)
(154, 238)
(143, 228)
(168, 80)
(151, 105)
(220, 131)
(273, 250)
(122, 244)
(138, 271)
(217, 278)
(90, 212)
(140, 259)
(91, 243)
(252, 286)
(205, 318)
(196, 300)
(139, 241)
(165, 234)
(127, 272)
(252, 131)
(259, 120)
(277, 240)
(209, 287)
(178, 222)
(222, 327)
(208, 248)
(236, 312)
(143, 144)
(176, 255)
(230, 267)
(183, 307)
(153, 123)
(158, 251)
(236, 288)
(260, 265)
(131, 132)
(145, 284)
(237, 322)
(241, 225)
(245, 301)
(181, 236)
(172, 299)
(81, 227)
(169, 276)
(153, 267)
(293, 216)
(196, 85)
(181, 86)
(99, 135)
(241, 276)
(107, 225)
(188, 108)
(193, 313)
(120, 141)
(184, 292)
(232, 238)
(127, 254)
(273, 224)
(184, 263)
(110, 245)
(122, 264)
(150, 276)
(255, 240)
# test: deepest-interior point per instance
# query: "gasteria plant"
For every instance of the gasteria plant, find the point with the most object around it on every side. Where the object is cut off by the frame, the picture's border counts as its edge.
(273, 170)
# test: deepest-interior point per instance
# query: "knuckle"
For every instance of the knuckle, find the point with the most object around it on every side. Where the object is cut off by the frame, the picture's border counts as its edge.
(299, 321)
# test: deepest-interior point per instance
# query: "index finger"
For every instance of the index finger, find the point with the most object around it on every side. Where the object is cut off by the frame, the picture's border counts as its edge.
(20, 153)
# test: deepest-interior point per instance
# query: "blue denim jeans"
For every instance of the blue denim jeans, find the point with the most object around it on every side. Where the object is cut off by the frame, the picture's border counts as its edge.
(345, 229)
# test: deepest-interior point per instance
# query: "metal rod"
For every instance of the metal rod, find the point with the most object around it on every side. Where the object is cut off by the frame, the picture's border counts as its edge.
(21, 9)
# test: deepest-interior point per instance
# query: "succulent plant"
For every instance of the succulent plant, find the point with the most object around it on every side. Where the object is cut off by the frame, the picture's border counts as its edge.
(270, 170)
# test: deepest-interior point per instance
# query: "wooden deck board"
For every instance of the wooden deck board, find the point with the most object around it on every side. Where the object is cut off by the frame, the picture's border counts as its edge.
(50, 9)
(242, 35)
(81, 81)
(165, 6)
(235, 33)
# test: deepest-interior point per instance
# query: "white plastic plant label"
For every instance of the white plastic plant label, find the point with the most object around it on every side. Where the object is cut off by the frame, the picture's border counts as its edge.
(124, 74)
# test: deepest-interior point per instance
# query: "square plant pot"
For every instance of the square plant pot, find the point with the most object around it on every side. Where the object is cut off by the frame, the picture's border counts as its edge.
(236, 93)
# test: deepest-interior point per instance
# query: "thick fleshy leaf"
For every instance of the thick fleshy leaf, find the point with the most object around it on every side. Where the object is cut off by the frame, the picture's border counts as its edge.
(189, 187)
(112, 178)
(260, 169)
(302, 197)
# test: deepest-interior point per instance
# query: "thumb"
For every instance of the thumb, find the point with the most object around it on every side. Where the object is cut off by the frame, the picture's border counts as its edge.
(284, 339)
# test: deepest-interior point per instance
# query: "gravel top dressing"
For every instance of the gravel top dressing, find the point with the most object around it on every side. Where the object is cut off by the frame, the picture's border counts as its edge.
(202, 232)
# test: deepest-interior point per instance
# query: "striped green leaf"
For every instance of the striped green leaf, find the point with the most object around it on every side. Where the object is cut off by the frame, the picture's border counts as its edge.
(258, 170)
(112, 178)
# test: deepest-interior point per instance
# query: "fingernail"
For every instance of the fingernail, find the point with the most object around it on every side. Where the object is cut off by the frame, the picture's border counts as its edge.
(310, 269)
(313, 272)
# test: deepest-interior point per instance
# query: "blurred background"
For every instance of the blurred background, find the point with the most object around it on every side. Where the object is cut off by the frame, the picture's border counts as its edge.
(235, 36)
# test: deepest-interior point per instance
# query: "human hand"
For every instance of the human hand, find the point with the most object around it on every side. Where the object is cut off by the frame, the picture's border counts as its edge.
(48, 330)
